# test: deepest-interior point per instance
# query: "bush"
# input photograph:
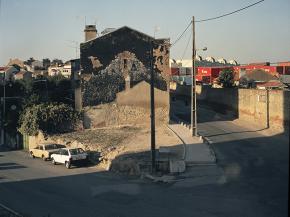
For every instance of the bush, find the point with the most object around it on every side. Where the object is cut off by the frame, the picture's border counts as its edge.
(226, 78)
(48, 117)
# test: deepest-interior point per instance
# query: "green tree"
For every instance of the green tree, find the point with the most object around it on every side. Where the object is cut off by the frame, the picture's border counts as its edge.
(50, 118)
(226, 78)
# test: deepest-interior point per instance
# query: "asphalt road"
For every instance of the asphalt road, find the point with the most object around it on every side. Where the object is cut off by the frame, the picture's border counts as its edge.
(255, 182)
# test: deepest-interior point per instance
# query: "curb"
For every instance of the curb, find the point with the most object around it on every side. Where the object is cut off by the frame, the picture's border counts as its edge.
(183, 143)
(208, 141)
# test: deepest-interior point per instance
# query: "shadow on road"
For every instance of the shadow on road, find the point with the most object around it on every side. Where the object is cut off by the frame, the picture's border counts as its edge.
(255, 184)
(9, 166)
(245, 131)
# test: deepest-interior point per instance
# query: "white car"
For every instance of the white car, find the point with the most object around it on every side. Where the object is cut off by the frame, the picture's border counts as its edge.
(69, 156)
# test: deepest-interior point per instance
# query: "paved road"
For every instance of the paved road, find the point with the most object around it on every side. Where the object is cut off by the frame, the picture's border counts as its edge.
(255, 183)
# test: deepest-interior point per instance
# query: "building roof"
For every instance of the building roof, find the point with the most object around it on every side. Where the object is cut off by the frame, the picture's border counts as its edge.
(274, 83)
(3, 68)
(124, 27)
(259, 75)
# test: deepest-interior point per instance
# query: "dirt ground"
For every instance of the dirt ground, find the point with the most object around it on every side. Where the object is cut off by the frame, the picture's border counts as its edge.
(128, 144)
(119, 135)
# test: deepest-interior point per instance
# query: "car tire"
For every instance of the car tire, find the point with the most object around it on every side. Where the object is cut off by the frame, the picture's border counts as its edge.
(31, 154)
(43, 158)
(53, 161)
(67, 164)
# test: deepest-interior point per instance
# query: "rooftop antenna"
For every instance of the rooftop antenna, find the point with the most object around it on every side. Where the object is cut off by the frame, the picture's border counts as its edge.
(156, 29)
(75, 46)
(96, 20)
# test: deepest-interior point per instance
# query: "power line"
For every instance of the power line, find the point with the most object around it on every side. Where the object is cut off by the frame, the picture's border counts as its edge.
(181, 34)
(186, 46)
(224, 15)
(213, 18)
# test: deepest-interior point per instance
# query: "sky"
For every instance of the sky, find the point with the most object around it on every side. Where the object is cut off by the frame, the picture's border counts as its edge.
(53, 28)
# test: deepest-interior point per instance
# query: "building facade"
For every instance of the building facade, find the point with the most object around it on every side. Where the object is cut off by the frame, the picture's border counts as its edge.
(125, 54)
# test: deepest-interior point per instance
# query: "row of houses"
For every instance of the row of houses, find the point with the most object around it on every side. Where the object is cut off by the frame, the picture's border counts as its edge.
(17, 69)
(14, 72)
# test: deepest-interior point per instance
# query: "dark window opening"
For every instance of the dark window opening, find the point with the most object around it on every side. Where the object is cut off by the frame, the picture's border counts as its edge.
(125, 63)
(134, 68)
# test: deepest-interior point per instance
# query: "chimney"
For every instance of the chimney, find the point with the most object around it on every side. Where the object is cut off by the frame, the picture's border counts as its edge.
(90, 32)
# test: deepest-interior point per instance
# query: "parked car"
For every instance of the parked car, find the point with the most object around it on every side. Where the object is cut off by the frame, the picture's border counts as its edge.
(45, 150)
(69, 156)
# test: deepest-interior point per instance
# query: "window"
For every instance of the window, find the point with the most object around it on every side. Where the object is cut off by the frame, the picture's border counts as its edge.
(134, 68)
(125, 63)
(59, 146)
(64, 152)
(73, 151)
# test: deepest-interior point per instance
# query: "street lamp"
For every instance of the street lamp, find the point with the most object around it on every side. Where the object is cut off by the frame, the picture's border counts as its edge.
(203, 49)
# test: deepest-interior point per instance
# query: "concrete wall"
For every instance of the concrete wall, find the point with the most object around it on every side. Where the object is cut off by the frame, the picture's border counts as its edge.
(266, 109)
(262, 107)
(223, 99)
(131, 106)
(139, 96)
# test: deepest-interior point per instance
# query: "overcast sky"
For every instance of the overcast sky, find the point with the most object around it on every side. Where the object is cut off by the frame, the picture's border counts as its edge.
(47, 28)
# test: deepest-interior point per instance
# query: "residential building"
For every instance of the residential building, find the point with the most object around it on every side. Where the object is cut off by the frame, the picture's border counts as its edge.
(54, 70)
(16, 61)
(37, 64)
(10, 73)
(23, 75)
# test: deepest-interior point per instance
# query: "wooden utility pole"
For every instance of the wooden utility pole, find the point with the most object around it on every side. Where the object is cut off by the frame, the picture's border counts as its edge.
(152, 105)
(193, 89)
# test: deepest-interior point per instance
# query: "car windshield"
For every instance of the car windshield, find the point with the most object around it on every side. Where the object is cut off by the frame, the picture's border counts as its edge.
(53, 146)
(60, 146)
(76, 151)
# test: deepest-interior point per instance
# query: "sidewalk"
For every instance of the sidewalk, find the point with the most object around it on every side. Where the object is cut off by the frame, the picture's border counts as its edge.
(194, 161)
(196, 150)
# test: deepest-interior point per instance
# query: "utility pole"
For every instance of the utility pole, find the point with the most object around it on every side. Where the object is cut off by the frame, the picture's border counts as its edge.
(193, 89)
(4, 108)
(152, 105)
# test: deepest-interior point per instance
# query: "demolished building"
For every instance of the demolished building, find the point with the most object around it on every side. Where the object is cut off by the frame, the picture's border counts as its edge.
(119, 60)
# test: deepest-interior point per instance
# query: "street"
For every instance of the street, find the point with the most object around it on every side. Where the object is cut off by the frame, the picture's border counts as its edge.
(255, 182)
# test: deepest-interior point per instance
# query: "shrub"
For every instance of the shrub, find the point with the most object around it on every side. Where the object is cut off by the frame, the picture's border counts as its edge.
(48, 117)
